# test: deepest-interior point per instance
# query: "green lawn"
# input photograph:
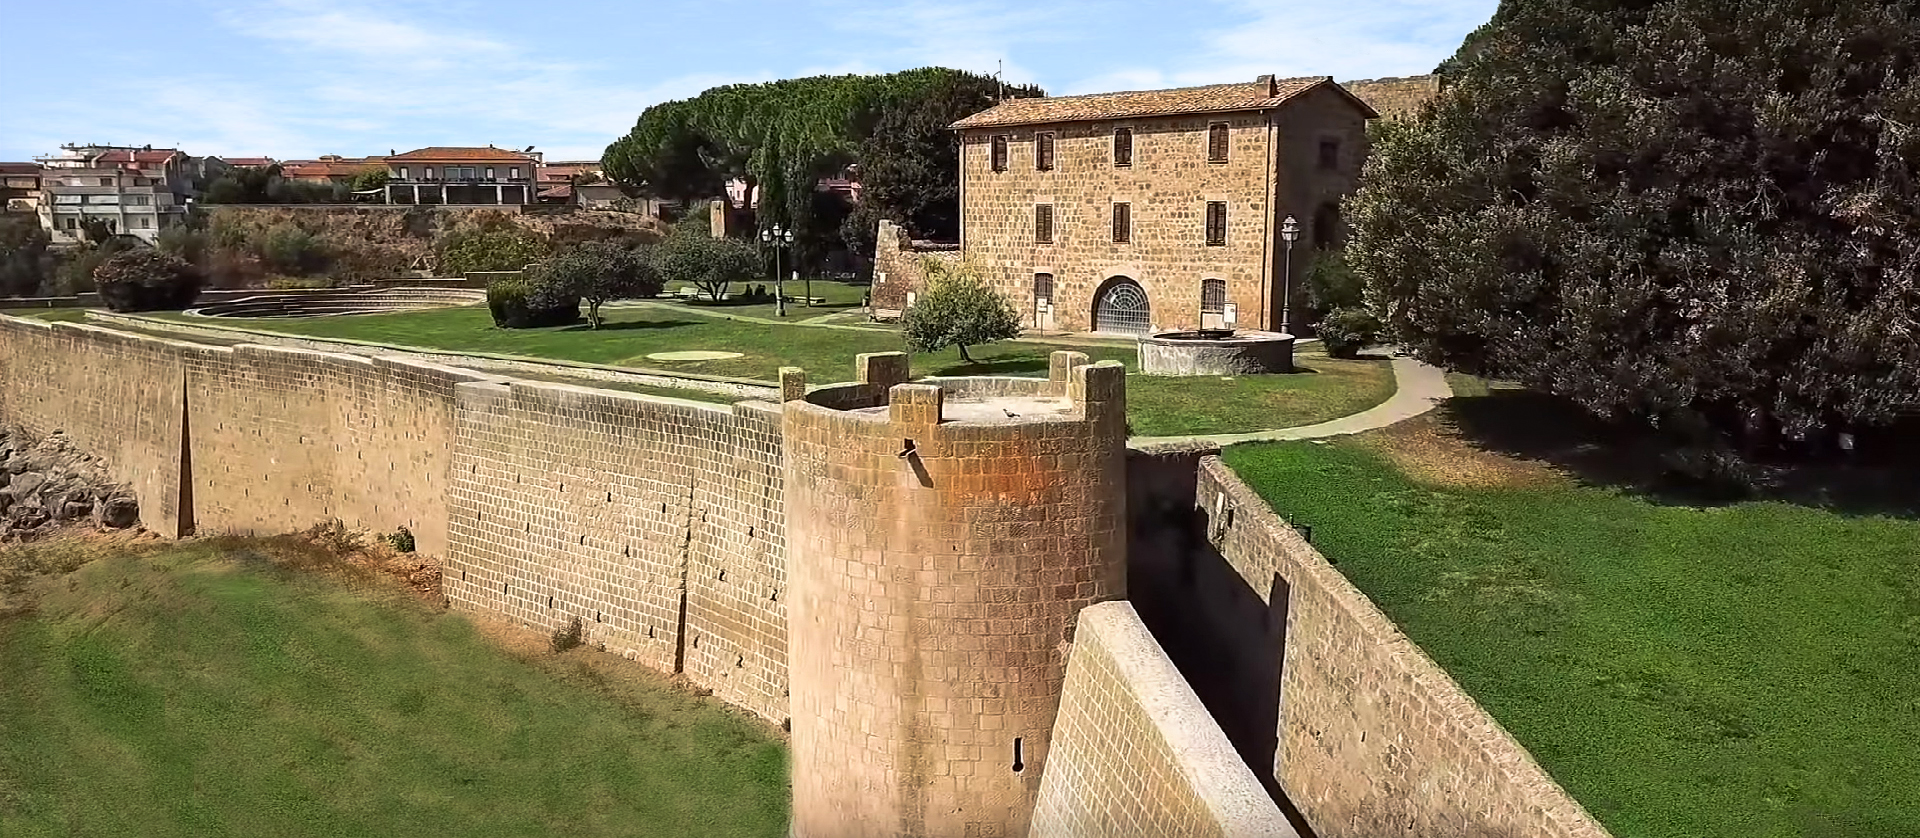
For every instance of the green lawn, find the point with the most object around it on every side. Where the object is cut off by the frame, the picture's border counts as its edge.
(1325, 389)
(204, 690)
(833, 296)
(48, 313)
(1748, 671)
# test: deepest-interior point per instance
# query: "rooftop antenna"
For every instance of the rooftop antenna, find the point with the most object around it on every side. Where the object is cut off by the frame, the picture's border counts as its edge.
(1000, 75)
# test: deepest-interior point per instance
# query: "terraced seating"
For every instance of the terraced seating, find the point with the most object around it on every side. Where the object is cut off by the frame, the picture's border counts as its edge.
(332, 302)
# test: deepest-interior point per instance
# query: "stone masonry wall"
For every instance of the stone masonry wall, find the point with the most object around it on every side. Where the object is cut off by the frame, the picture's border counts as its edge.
(1396, 98)
(897, 267)
(655, 522)
(1168, 184)
(116, 396)
(1135, 754)
(1374, 738)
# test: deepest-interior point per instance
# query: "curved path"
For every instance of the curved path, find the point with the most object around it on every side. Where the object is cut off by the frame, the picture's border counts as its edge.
(1417, 388)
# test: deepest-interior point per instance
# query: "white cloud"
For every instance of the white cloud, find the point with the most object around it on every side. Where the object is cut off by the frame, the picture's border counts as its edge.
(1345, 40)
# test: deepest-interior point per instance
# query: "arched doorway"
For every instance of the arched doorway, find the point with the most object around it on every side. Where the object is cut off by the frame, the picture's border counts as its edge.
(1121, 308)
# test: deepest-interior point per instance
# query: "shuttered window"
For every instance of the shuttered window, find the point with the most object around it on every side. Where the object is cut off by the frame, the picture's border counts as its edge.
(1123, 146)
(1216, 223)
(1043, 152)
(1217, 143)
(999, 153)
(1043, 223)
(1122, 223)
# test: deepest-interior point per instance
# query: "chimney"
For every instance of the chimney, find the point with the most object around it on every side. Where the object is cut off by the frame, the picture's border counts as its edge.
(1268, 81)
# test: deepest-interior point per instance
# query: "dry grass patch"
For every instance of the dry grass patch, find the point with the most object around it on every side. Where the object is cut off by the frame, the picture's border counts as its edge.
(1431, 450)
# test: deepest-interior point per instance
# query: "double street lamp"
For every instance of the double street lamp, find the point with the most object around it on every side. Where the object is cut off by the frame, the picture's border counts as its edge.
(780, 238)
(1289, 232)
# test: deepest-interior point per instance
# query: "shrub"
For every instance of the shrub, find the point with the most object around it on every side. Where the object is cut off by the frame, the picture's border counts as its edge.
(568, 636)
(1345, 331)
(958, 309)
(299, 283)
(530, 302)
(401, 540)
(489, 249)
(285, 248)
(147, 280)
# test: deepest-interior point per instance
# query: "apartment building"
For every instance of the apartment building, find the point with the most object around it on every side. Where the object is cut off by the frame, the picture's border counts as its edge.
(135, 191)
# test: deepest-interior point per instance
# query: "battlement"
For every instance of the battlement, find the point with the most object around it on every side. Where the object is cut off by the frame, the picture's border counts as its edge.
(1074, 391)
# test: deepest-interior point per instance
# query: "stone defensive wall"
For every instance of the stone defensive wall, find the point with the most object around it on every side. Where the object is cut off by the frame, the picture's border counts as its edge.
(979, 611)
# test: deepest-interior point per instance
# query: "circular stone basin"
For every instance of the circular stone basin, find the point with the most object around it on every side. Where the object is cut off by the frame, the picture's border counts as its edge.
(693, 355)
(1216, 352)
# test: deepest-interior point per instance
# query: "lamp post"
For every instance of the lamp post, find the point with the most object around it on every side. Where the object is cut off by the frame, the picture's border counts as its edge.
(1289, 232)
(780, 238)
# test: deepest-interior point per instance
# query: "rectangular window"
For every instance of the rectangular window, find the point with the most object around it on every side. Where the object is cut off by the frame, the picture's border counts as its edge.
(1216, 223)
(490, 173)
(513, 173)
(998, 153)
(1329, 154)
(1122, 223)
(106, 181)
(143, 222)
(1217, 143)
(1043, 223)
(429, 174)
(1043, 151)
(403, 173)
(1122, 147)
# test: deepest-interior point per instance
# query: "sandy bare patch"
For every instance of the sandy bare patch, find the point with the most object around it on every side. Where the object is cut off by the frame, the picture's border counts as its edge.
(1431, 450)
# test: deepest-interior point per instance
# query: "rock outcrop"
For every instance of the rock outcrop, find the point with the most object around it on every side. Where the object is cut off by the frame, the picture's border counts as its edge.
(48, 483)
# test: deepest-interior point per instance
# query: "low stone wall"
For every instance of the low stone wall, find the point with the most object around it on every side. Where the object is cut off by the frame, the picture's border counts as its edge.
(1243, 353)
(1135, 754)
(1395, 98)
(1365, 735)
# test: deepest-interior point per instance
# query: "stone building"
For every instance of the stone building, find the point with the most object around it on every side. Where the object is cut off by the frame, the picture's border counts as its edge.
(1133, 212)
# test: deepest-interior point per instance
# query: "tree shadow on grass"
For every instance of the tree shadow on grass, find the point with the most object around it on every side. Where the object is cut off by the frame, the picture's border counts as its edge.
(1884, 480)
(1013, 365)
(624, 325)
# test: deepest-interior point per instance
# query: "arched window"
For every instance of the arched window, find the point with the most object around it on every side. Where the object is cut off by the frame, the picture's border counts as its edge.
(1121, 308)
(1213, 295)
(1326, 227)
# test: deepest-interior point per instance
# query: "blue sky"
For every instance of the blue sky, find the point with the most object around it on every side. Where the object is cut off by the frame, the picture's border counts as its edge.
(301, 78)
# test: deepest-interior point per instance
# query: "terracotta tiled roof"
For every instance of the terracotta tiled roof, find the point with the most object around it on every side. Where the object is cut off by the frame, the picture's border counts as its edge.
(556, 192)
(435, 153)
(1217, 98)
(248, 161)
(19, 168)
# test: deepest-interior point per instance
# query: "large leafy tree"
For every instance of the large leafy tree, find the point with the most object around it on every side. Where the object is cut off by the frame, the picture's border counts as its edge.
(910, 158)
(706, 263)
(781, 137)
(601, 271)
(1694, 211)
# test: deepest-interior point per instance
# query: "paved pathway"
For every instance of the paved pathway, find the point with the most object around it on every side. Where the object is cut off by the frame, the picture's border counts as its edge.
(1418, 388)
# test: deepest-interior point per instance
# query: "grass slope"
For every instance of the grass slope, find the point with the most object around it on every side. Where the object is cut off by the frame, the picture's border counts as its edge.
(190, 692)
(1746, 671)
(1159, 406)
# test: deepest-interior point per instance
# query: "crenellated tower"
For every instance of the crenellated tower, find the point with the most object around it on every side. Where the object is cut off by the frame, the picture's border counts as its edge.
(942, 537)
